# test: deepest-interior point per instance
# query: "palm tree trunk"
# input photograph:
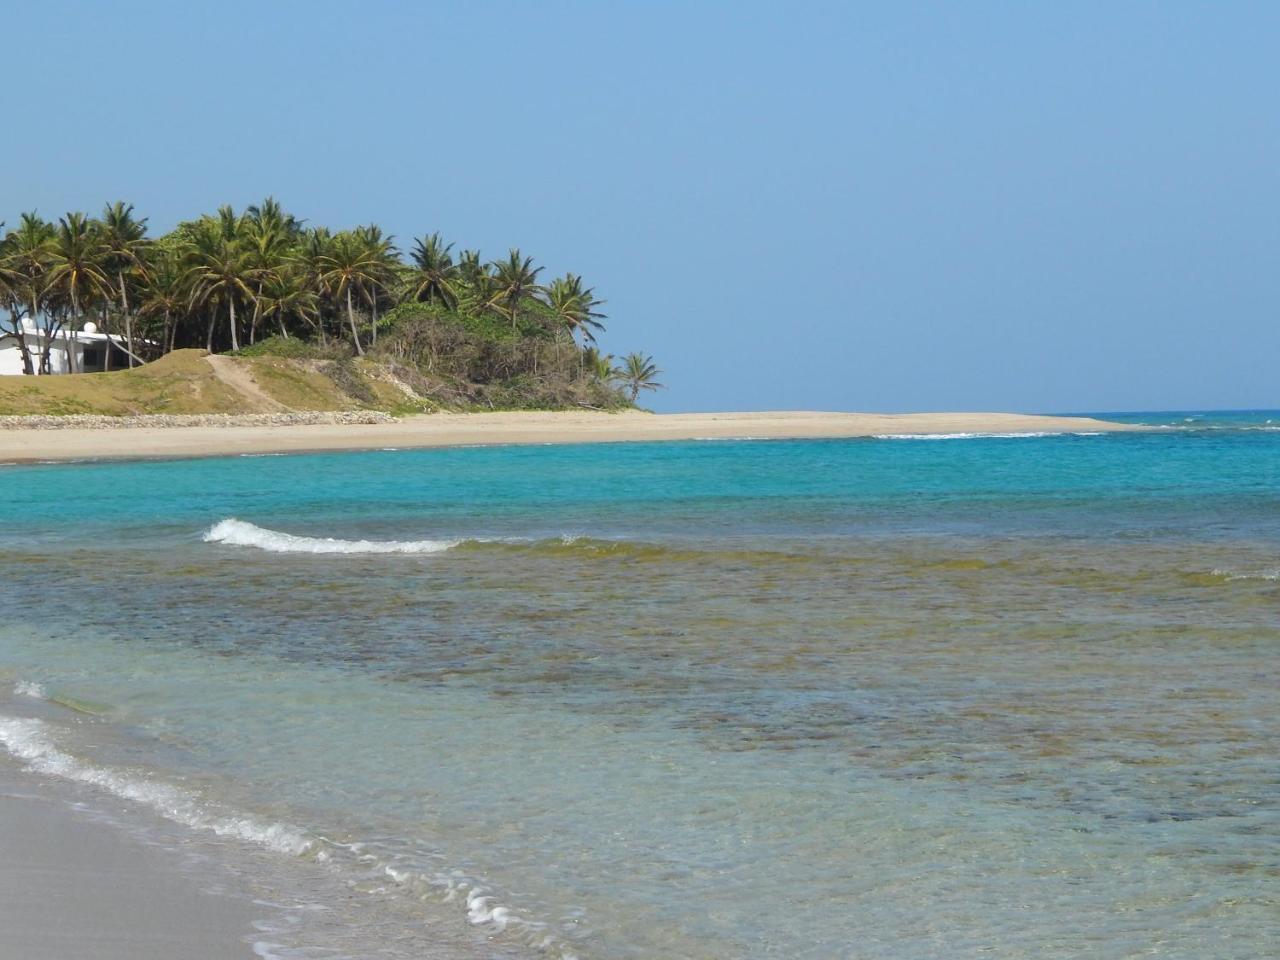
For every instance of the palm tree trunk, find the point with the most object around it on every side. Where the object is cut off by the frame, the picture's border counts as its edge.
(19, 334)
(351, 318)
(213, 318)
(106, 328)
(70, 340)
(231, 307)
(128, 321)
(253, 324)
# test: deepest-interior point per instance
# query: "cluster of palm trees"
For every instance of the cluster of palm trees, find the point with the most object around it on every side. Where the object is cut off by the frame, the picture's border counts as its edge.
(227, 280)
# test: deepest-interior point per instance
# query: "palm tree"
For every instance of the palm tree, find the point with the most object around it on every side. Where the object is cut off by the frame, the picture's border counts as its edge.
(599, 364)
(436, 274)
(311, 250)
(266, 239)
(476, 284)
(637, 372)
(288, 294)
(269, 216)
(349, 264)
(221, 270)
(471, 267)
(26, 254)
(384, 258)
(516, 280)
(124, 241)
(165, 293)
(76, 274)
(573, 308)
(11, 301)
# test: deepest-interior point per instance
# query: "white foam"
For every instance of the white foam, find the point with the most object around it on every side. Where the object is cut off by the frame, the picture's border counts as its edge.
(986, 437)
(29, 688)
(30, 740)
(1273, 575)
(238, 533)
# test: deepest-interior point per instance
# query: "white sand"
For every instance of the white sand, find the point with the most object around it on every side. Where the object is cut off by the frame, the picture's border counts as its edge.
(456, 429)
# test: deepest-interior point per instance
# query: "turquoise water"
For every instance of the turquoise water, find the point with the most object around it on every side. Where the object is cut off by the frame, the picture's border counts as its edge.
(885, 698)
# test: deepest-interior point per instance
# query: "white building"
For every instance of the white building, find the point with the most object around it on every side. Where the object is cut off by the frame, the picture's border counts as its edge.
(88, 347)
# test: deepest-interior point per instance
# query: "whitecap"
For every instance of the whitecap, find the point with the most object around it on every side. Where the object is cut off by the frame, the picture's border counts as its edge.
(238, 533)
(29, 688)
(1273, 575)
(967, 436)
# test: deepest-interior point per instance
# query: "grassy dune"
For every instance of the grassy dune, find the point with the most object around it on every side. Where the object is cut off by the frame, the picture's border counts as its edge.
(186, 381)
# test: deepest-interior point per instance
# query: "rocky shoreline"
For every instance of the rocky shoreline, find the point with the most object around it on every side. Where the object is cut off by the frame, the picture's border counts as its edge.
(81, 421)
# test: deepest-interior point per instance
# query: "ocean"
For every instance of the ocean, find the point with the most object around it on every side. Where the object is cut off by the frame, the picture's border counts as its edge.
(1006, 697)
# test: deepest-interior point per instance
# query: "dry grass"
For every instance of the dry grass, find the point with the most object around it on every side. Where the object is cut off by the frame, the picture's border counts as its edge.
(184, 382)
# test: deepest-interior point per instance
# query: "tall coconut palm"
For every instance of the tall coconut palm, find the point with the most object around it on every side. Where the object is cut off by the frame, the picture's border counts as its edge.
(476, 284)
(221, 271)
(573, 308)
(77, 274)
(348, 266)
(26, 255)
(637, 372)
(435, 276)
(269, 216)
(28, 249)
(267, 241)
(309, 258)
(165, 295)
(288, 295)
(384, 258)
(470, 266)
(124, 241)
(599, 365)
(516, 280)
(11, 301)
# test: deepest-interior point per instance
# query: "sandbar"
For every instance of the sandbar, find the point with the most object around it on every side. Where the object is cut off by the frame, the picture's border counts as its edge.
(466, 429)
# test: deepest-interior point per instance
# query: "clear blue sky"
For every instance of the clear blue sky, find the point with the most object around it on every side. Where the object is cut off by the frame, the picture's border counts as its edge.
(891, 206)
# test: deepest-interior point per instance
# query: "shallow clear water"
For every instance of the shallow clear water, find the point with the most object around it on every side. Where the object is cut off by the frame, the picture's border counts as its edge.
(870, 698)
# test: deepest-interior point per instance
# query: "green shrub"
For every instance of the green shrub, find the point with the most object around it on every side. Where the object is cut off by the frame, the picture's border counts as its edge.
(295, 349)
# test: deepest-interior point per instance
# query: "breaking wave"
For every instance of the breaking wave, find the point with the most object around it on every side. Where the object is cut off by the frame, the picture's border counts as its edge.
(238, 533)
(29, 740)
(29, 688)
(1273, 575)
(983, 436)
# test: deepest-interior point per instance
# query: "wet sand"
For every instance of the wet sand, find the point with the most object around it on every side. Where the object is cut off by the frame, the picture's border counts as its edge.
(75, 889)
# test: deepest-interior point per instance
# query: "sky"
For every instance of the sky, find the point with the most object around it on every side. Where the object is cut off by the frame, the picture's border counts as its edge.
(1045, 207)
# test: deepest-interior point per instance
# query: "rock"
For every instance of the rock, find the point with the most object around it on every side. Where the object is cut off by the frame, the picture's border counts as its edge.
(81, 421)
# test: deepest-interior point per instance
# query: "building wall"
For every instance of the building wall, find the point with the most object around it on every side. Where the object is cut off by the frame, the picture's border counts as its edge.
(10, 358)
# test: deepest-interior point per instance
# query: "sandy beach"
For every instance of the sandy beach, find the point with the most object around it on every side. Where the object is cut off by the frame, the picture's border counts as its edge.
(462, 429)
